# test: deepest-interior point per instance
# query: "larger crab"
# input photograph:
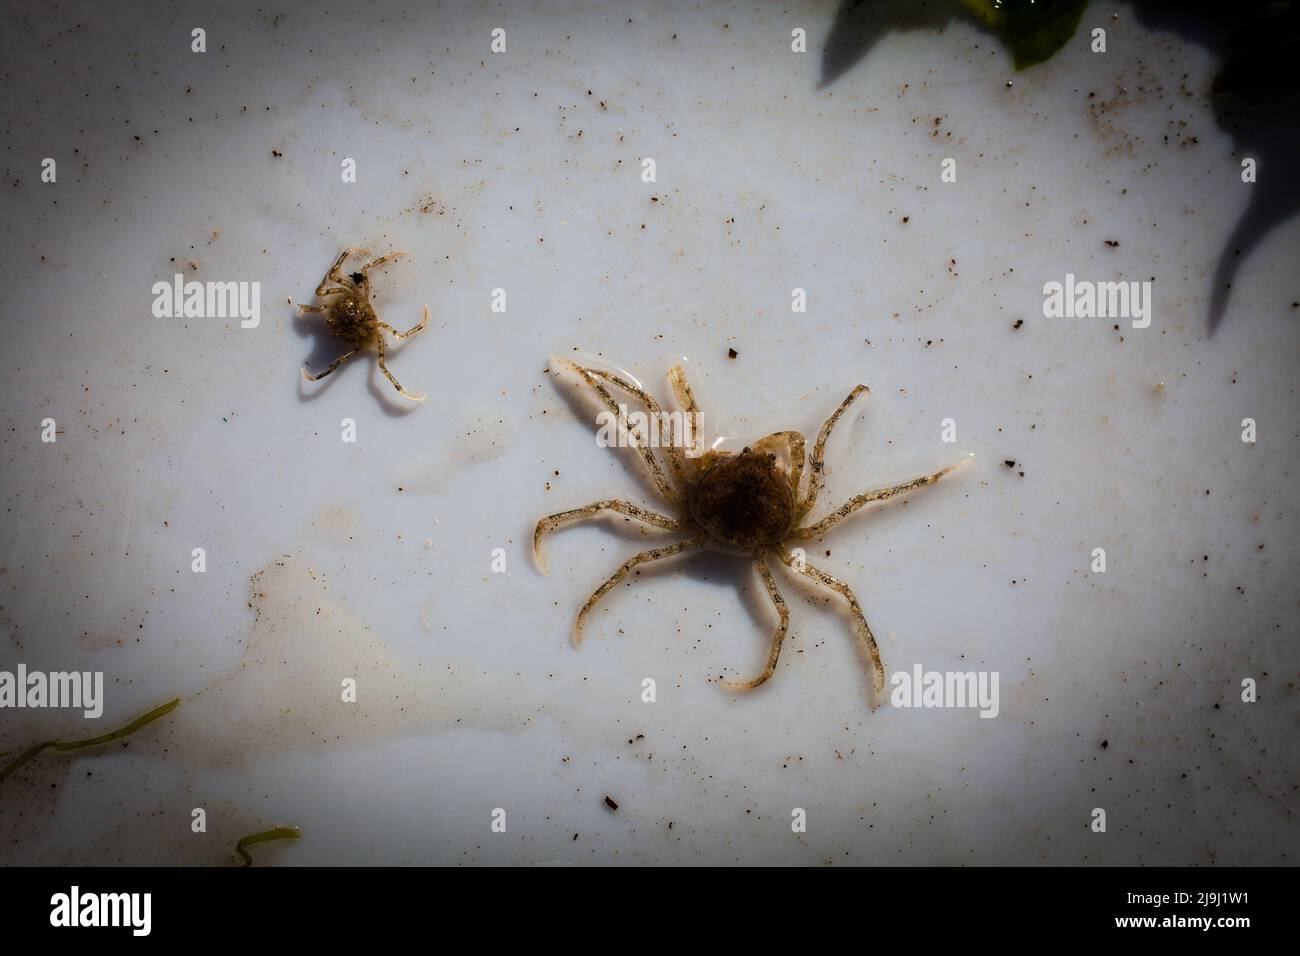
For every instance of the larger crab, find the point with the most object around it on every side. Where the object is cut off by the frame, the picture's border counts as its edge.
(753, 503)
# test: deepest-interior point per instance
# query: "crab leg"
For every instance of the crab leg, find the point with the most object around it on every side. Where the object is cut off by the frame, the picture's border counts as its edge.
(880, 494)
(651, 463)
(409, 332)
(333, 365)
(415, 397)
(645, 557)
(334, 273)
(690, 408)
(777, 638)
(859, 620)
(626, 508)
(817, 479)
(676, 454)
(382, 260)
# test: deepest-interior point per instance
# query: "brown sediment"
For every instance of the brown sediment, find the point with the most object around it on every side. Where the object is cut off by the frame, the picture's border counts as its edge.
(286, 692)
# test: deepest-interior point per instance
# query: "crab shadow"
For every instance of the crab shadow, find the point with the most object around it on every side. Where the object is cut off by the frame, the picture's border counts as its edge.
(1255, 96)
(326, 348)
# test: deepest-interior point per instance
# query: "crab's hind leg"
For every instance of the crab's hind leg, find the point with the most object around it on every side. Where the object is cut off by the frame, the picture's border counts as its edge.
(400, 336)
(413, 396)
(859, 619)
(625, 508)
(645, 557)
(333, 365)
(777, 638)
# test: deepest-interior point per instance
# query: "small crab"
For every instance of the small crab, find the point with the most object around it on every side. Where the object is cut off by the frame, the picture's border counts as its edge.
(752, 503)
(352, 318)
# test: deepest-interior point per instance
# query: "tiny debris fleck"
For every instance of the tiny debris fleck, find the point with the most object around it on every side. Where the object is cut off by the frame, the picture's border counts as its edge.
(732, 353)
(610, 802)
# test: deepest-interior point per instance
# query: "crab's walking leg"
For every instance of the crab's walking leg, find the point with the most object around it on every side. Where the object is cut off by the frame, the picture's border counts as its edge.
(645, 557)
(816, 480)
(881, 494)
(859, 620)
(333, 365)
(652, 463)
(690, 408)
(766, 572)
(676, 453)
(324, 289)
(547, 525)
(413, 396)
(334, 273)
(382, 260)
(413, 331)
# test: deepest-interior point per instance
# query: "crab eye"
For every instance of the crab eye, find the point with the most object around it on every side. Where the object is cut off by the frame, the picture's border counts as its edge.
(358, 277)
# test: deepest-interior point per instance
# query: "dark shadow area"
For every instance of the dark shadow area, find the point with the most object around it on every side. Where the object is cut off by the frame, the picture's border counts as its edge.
(1256, 100)
(861, 24)
(325, 348)
(1255, 95)
(1272, 139)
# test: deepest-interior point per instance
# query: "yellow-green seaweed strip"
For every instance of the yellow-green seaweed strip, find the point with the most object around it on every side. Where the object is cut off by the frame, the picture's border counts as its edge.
(66, 745)
(279, 833)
